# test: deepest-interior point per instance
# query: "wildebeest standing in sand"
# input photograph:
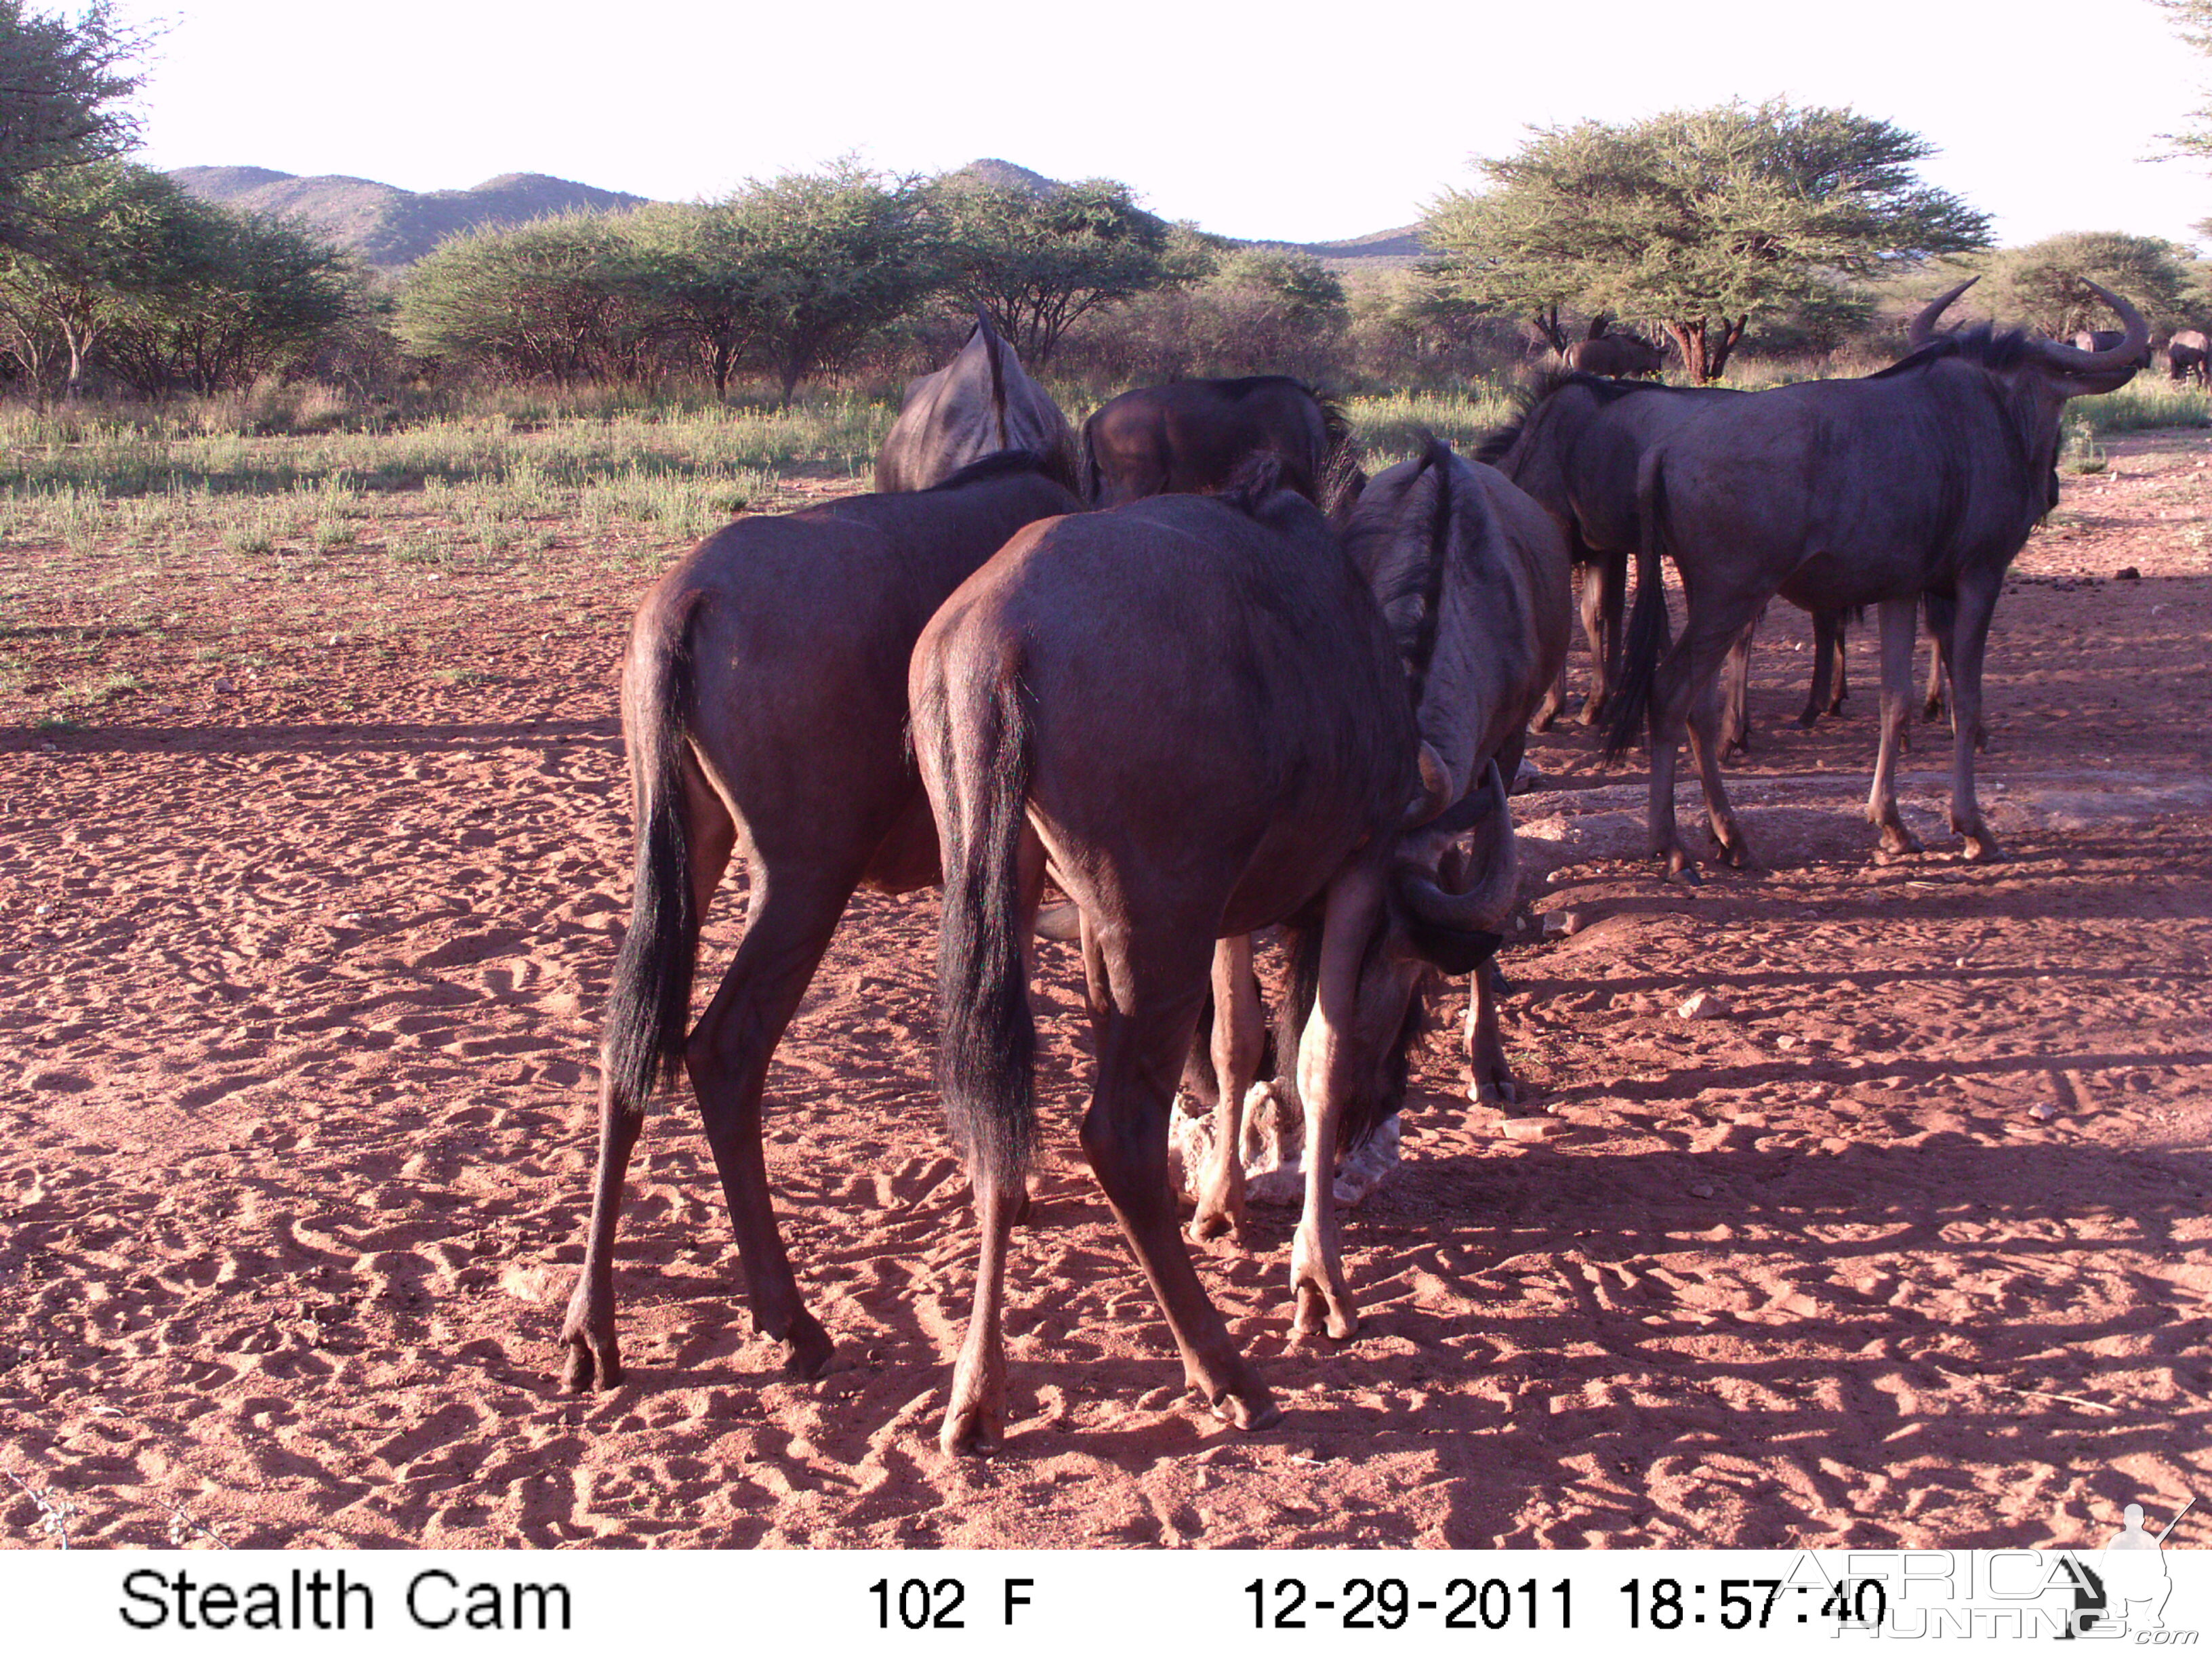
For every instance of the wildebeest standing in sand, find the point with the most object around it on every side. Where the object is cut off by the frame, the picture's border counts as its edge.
(764, 707)
(1574, 449)
(1192, 436)
(2189, 357)
(977, 404)
(1194, 711)
(1926, 478)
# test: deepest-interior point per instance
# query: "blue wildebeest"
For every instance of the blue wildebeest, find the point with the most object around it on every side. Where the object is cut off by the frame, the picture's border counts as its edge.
(1195, 714)
(2189, 357)
(1193, 437)
(980, 403)
(1926, 478)
(765, 708)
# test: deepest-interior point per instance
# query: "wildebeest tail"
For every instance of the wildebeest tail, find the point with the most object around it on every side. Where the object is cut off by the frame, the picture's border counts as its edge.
(1647, 618)
(649, 1009)
(991, 349)
(988, 1040)
(1091, 485)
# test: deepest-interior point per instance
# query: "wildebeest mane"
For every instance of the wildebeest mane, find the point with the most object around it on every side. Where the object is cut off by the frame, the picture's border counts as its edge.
(1408, 576)
(1497, 443)
(999, 463)
(1981, 343)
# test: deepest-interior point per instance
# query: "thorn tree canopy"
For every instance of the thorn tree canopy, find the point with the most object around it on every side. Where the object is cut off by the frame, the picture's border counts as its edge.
(1034, 261)
(2042, 281)
(61, 87)
(1697, 219)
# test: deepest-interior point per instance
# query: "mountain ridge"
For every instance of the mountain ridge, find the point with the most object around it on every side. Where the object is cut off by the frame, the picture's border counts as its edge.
(390, 227)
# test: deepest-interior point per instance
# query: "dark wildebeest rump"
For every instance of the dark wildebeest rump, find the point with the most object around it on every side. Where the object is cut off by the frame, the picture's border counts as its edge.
(1193, 436)
(764, 707)
(1926, 478)
(1615, 356)
(1194, 713)
(2189, 356)
(977, 404)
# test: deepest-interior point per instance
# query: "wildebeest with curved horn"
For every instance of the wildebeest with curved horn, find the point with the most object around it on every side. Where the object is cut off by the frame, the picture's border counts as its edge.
(1926, 478)
(2189, 356)
(1194, 713)
(1193, 437)
(765, 708)
(980, 403)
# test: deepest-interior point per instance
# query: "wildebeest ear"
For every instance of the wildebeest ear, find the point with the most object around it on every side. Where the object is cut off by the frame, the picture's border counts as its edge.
(1448, 948)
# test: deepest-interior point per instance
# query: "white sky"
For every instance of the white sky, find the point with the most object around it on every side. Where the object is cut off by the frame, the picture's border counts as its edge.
(1293, 120)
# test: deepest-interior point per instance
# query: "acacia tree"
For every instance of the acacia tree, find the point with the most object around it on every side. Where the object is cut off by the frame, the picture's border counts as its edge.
(62, 88)
(554, 300)
(2192, 21)
(111, 225)
(1034, 261)
(814, 264)
(2042, 281)
(1700, 219)
(224, 297)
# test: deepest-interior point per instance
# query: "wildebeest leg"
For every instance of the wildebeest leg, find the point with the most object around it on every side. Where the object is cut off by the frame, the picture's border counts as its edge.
(975, 1408)
(1843, 679)
(1686, 700)
(1899, 620)
(1940, 612)
(1735, 681)
(789, 925)
(595, 1358)
(1327, 1063)
(1149, 1009)
(1970, 638)
(1494, 1082)
(1613, 604)
(1828, 658)
(1236, 1039)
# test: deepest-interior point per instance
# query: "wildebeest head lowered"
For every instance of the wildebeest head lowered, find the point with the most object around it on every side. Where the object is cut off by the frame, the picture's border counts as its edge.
(1192, 711)
(979, 403)
(1194, 437)
(1926, 478)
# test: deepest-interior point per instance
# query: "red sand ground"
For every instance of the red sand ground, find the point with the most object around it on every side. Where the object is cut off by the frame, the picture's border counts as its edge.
(304, 949)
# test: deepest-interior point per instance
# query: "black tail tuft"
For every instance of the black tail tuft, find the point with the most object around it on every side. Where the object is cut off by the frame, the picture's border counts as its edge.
(649, 1009)
(988, 1043)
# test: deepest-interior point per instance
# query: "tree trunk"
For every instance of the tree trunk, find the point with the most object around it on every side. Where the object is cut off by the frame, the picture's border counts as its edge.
(1547, 325)
(1689, 338)
(792, 373)
(1731, 334)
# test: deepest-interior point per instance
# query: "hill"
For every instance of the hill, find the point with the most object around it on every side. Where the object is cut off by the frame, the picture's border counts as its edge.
(390, 226)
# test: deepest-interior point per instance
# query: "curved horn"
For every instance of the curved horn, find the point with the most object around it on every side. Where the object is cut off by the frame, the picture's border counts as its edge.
(2075, 361)
(1490, 895)
(1436, 790)
(1923, 326)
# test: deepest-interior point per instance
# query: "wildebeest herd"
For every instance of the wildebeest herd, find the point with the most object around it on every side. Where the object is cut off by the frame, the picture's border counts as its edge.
(1203, 676)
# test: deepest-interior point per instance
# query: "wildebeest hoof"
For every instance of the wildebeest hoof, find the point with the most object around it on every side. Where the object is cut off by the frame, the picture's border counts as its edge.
(593, 1362)
(1682, 868)
(1248, 1408)
(1209, 1224)
(1542, 720)
(1980, 849)
(1317, 1312)
(1495, 1092)
(970, 1431)
(807, 1351)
